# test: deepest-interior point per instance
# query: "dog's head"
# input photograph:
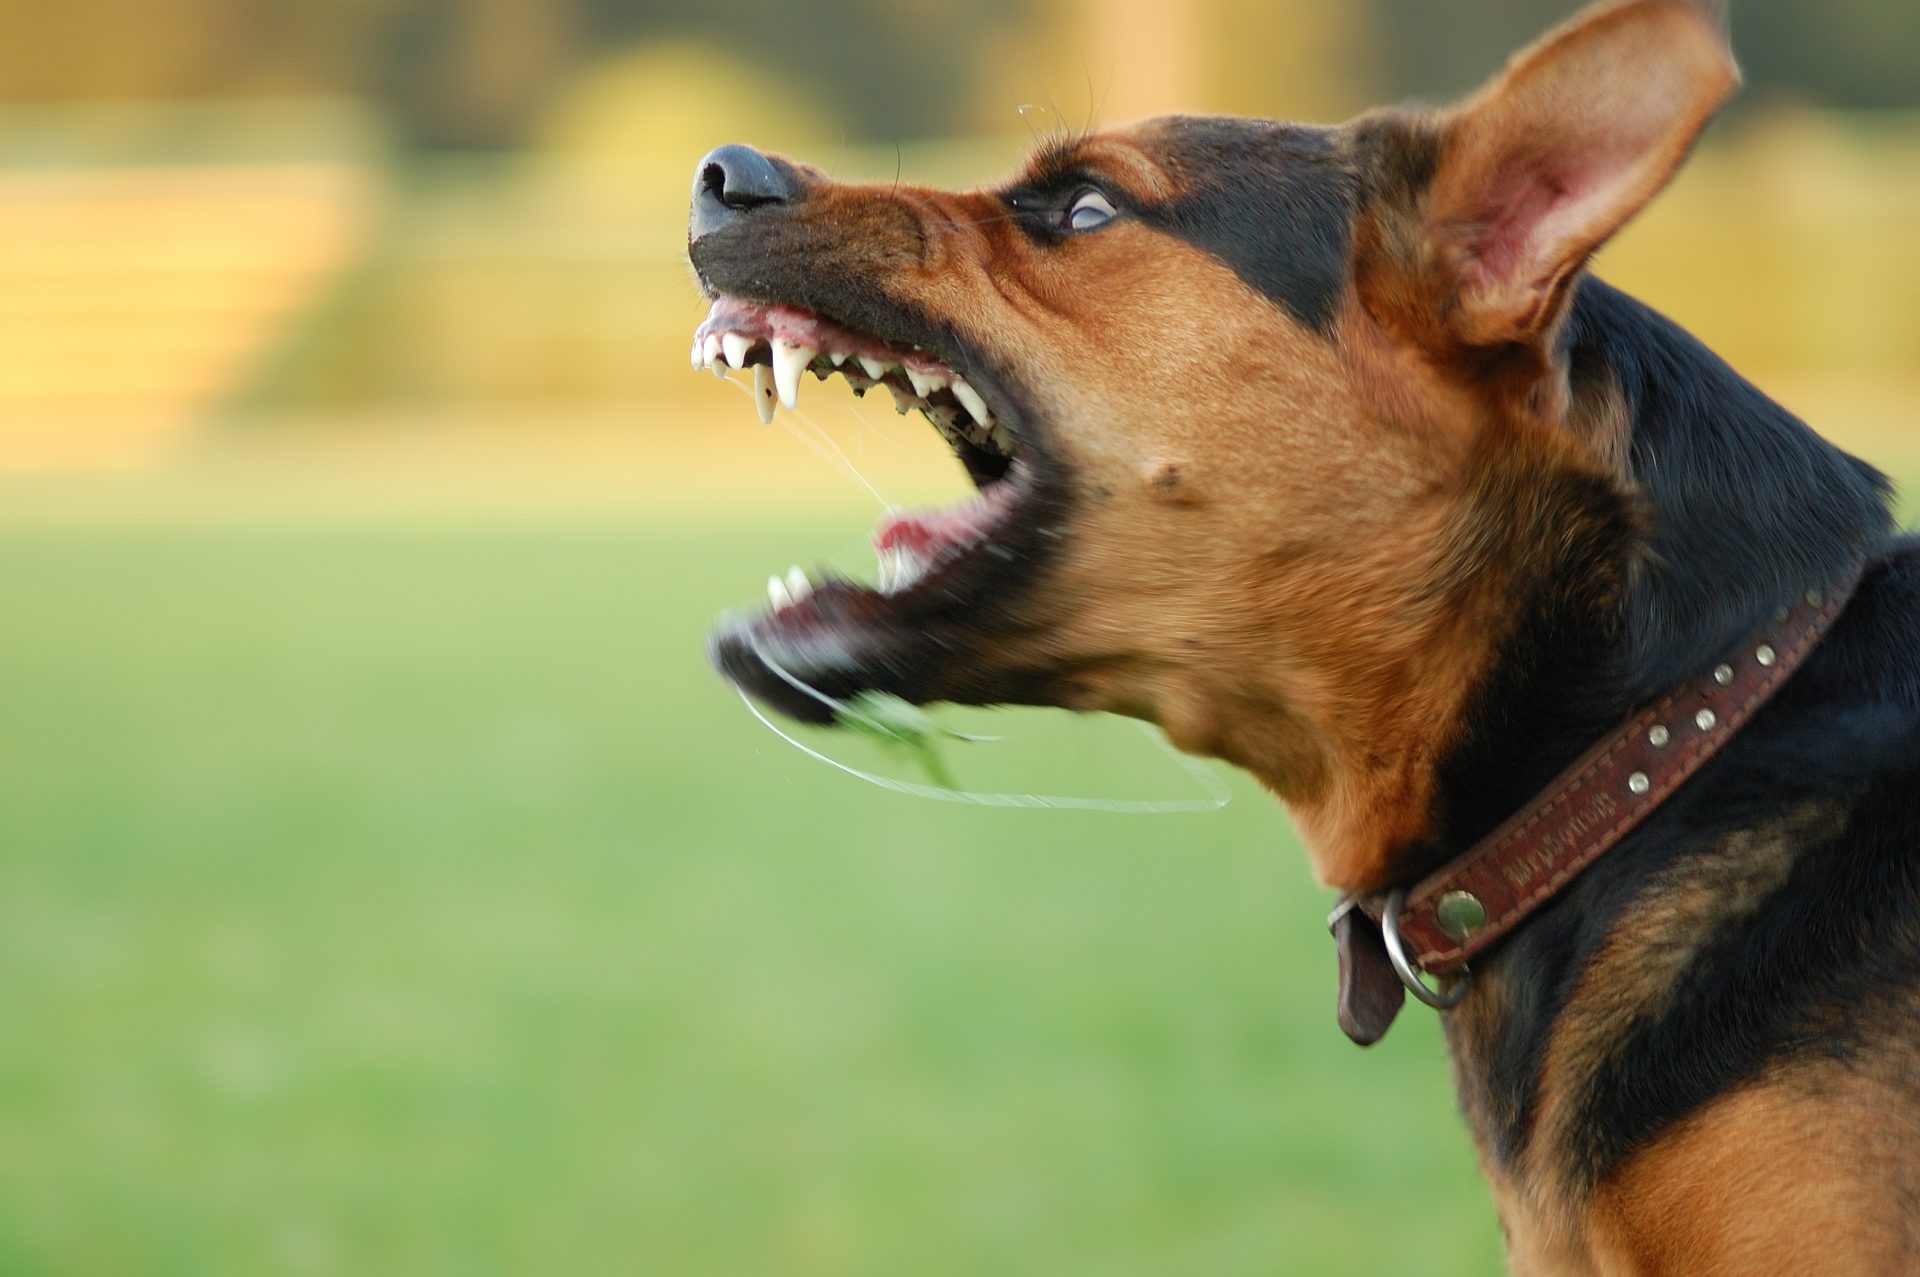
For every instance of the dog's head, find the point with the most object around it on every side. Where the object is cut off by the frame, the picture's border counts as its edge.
(1238, 398)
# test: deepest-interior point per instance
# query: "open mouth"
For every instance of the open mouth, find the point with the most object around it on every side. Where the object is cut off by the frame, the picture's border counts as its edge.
(943, 576)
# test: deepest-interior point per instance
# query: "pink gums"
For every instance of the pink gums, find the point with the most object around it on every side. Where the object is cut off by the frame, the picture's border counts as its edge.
(803, 327)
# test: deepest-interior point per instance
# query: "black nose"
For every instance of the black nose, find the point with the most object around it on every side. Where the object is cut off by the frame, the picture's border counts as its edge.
(733, 179)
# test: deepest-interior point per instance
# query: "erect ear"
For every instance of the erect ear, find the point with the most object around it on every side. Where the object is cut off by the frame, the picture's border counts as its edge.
(1547, 161)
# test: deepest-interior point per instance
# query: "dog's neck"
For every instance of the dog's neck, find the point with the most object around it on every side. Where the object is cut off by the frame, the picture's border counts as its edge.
(1722, 547)
(1659, 571)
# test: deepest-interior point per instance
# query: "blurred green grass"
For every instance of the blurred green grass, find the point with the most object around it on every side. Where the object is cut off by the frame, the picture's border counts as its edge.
(387, 896)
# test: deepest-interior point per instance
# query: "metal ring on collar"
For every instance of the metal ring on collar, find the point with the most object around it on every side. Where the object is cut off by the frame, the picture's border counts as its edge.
(1452, 988)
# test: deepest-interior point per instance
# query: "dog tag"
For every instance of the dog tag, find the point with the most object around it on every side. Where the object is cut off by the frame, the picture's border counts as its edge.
(1371, 995)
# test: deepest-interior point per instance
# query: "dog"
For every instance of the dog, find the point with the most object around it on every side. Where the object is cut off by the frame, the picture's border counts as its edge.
(1320, 449)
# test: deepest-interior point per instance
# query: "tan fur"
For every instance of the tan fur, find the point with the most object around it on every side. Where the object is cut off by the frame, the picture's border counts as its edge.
(1808, 1174)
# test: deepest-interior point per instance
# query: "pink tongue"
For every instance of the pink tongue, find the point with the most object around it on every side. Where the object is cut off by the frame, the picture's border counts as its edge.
(916, 532)
(925, 530)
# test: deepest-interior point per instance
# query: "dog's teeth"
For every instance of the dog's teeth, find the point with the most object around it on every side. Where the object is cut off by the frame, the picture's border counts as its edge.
(837, 357)
(789, 358)
(699, 360)
(735, 347)
(777, 593)
(925, 383)
(874, 368)
(763, 392)
(903, 403)
(798, 586)
(970, 400)
(710, 353)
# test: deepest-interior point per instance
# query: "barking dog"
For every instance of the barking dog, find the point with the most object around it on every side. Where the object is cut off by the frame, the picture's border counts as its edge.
(1319, 448)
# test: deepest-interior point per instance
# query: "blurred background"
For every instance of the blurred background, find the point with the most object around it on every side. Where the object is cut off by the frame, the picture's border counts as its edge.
(385, 884)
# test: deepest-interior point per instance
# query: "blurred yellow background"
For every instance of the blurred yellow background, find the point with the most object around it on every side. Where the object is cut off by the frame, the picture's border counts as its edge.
(386, 886)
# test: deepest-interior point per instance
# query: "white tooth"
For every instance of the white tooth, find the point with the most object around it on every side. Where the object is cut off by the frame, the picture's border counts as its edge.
(789, 358)
(903, 403)
(798, 587)
(735, 346)
(925, 383)
(837, 357)
(970, 400)
(710, 350)
(777, 593)
(698, 361)
(900, 567)
(874, 368)
(763, 392)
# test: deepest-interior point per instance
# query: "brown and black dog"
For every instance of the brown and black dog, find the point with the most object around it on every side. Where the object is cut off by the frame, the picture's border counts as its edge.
(1318, 448)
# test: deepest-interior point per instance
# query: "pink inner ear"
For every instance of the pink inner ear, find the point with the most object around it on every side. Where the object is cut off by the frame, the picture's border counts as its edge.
(1542, 211)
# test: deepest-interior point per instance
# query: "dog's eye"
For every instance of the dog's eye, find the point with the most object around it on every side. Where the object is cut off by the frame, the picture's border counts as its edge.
(1090, 210)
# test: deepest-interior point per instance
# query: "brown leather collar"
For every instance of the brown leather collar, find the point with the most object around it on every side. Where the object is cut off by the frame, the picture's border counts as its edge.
(1475, 900)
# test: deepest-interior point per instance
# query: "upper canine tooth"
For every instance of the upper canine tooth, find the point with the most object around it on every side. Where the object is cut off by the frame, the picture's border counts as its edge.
(970, 400)
(925, 383)
(777, 593)
(763, 392)
(789, 358)
(798, 587)
(874, 368)
(699, 360)
(735, 346)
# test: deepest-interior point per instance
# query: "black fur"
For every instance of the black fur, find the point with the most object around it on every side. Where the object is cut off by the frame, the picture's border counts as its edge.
(1270, 200)
(1746, 509)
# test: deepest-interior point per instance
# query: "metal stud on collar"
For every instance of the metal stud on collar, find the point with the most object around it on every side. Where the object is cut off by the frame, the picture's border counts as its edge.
(1452, 988)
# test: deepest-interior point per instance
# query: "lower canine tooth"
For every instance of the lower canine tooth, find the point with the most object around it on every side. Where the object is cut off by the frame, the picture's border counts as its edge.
(763, 392)
(899, 568)
(735, 346)
(789, 359)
